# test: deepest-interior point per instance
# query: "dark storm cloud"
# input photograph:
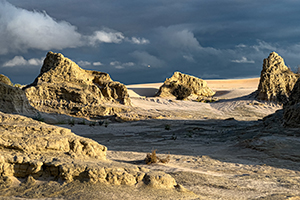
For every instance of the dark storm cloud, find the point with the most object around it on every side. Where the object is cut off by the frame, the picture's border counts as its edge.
(137, 41)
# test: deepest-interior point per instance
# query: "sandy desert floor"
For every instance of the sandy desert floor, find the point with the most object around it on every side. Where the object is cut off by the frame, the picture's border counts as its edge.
(219, 150)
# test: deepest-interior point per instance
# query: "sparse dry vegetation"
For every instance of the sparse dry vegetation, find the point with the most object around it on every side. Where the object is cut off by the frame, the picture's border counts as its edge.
(214, 146)
(152, 158)
(38, 117)
(72, 122)
(167, 127)
(18, 85)
(206, 99)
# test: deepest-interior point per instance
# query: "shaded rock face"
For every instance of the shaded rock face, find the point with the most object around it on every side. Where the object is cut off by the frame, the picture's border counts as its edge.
(35, 150)
(183, 86)
(291, 109)
(276, 80)
(13, 100)
(63, 87)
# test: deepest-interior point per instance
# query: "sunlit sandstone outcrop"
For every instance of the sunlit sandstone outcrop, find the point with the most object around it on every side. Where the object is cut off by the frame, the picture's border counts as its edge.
(63, 87)
(276, 80)
(183, 86)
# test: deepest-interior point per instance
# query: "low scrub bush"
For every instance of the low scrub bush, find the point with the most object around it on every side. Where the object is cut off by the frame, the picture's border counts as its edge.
(152, 158)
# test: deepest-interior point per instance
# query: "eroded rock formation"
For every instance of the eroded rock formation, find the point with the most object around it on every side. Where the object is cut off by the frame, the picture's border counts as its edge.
(5, 79)
(183, 86)
(33, 150)
(13, 100)
(276, 80)
(291, 109)
(30, 136)
(63, 87)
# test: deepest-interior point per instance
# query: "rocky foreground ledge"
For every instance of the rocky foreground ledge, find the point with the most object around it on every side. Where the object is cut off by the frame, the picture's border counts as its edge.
(37, 151)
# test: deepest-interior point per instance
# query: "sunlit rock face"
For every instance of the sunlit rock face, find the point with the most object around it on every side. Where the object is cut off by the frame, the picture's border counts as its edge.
(5, 79)
(276, 80)
(183, 86)
(63, 87)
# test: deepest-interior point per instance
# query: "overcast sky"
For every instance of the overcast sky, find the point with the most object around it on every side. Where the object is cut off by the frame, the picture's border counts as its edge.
(147, 41)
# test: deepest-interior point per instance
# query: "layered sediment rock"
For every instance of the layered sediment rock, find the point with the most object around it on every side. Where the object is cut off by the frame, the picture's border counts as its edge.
(13, 100)
(63, 87)
(276, 80)
(34, 150)
(183, 86)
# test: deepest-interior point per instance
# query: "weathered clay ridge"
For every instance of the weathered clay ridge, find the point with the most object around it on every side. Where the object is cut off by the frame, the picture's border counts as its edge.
(63, 87)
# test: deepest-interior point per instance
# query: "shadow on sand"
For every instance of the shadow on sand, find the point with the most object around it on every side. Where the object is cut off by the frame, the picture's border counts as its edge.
(147, 92)
(243, 142)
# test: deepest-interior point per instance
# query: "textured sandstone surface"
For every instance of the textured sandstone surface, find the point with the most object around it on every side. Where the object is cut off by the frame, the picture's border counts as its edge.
(209, 159)
(63, 87)
(183, 86)
(5, 79)
(30, 136)
(38, 151)
(276, 80)
(13, 100)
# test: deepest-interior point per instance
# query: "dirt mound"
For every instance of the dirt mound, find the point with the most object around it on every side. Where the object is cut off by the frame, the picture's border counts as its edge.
(276, 80)
(183, 86)
(13, 100)
(63, 87)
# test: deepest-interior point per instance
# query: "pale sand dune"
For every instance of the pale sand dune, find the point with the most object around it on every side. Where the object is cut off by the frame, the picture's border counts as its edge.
(233, 83)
